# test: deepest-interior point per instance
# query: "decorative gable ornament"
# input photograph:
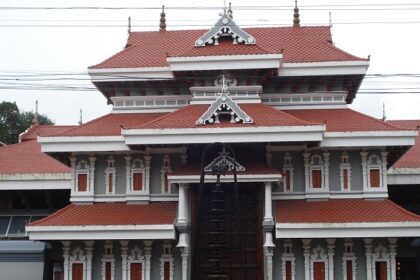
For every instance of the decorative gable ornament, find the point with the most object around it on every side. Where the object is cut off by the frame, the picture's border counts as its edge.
(224, 160)
(224, 106)
(225, 27)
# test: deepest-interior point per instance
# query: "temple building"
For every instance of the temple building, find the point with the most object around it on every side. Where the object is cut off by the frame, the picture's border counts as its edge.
(230, 153)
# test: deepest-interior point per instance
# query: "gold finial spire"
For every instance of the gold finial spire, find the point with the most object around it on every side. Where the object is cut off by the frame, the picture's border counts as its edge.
(36, 117)
(296, 19)
(229, 11)
(162, 24)
(81, 117)
(129, 24)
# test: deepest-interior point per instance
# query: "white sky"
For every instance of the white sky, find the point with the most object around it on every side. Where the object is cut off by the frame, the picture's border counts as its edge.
(394, 47)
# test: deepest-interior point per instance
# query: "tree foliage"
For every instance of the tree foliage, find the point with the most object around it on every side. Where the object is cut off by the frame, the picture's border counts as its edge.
(13, 122)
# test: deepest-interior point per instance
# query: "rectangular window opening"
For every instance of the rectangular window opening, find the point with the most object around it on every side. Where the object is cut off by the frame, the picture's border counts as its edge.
(137, 181)
(316, 179)
(82, 182)
(374, 178)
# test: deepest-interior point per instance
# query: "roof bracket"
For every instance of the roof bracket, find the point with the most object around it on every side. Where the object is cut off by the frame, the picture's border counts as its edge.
(224, 106)
(225, 27)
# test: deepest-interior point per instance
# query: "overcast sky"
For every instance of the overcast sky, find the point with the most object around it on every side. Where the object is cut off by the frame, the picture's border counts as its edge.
(52, 41)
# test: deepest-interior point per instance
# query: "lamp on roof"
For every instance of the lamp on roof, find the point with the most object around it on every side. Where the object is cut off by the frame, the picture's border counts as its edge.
(162, 24)
(296, 16)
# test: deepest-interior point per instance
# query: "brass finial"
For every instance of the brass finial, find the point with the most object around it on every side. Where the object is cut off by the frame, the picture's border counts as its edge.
(81, 117)
(296, 19)
(229, 11)
(129, 24)
(162, 24)
(36, 117)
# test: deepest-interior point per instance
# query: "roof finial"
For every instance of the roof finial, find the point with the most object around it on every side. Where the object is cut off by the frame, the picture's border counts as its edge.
(383, 112)
(296, 19)
(330, 19)
(81, 117)
(129, 24)
(229, 11)
(162, 24)
(36, 117)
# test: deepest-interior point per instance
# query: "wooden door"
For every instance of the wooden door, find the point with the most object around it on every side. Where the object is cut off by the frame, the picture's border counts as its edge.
(381, 271)
(319, 270)
(136, 271)
(77, 271)
(228, 234)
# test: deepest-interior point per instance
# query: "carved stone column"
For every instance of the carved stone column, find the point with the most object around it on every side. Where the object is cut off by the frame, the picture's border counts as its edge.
(92, 161)
(392, 253)
(147, 160)
(384, 171)
(269, 255)
(185, 255)
(148, 256)
(368, 253)
(326, 171)
(363, 156)
(66, 255)
(307, 254)
(306, 164)
(331, 248)
(89, 256)
(124, 255)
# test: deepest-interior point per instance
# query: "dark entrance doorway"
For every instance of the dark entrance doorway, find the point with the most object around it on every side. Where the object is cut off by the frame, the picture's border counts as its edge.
(228, 234)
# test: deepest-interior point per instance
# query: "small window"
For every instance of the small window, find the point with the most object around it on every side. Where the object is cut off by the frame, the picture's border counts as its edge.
(166, 270)
(110, 182)
(286, 181)
(166, 183)
(82, 182)
(349, 270)
(288, 270)
(137, 181)
(108, 272)
(374, 178)
(316, 179)
(381, 271)
(345, 179)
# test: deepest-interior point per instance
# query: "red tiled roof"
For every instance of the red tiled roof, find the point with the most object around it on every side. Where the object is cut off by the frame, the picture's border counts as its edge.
(253, 168)
(263, 115)
(411, 159)
(43, 130)
(112, 214)
(303, 44)
(342, 211)
(343, 120)
(26, 157)
(111, 124)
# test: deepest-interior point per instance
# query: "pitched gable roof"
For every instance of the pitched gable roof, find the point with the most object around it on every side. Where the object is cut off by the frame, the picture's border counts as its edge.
(411, 159)
(43, 130)
(303, 44)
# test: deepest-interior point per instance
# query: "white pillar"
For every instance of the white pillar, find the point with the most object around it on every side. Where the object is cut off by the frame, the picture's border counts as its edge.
(331, 248)
(384, 171)
(268, 203)
(127, 174)
(326, 171)
(368, 253)
(89, 256)
(183, 203)
(307, 254)
(92, 175)
(363, 156)
(147, 160)
(66, 255)
(184, 255)
(306, 164)
(147, 256)
(124, 255)
(392, 253)
(269, 255)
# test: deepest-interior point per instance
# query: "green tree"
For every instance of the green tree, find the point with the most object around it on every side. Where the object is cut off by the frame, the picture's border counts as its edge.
(13, 122)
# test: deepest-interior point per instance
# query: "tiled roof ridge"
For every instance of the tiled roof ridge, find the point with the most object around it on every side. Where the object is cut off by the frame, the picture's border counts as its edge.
(378, 120)
(293, 117)
(396, 206)
(111, 57)
(65, 208)
(160, 118)
(28, 131)
(345, 52)
(81, 125)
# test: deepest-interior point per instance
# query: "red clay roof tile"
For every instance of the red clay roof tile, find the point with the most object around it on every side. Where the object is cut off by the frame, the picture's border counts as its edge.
(43, 130)
(303, 44)
(26, 157)
(343, 120)
(263, 115)
(411, 159)
(112, 214)
(342, 211)
(111, 124)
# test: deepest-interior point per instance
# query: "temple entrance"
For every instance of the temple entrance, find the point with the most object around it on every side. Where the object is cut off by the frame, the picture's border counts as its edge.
(227, 235)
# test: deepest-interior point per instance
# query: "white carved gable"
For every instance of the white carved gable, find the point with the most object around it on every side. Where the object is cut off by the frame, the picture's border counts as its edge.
(224, 106)
(225, 27)
(224, 159)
